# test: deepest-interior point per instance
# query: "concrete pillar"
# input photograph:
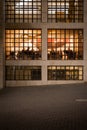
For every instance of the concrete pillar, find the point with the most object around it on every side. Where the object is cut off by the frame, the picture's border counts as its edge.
(44, 11)
(85, 40)
(44, 42)
(2, 26)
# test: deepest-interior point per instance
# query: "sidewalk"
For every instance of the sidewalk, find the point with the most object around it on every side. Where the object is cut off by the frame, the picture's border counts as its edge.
(54, 107)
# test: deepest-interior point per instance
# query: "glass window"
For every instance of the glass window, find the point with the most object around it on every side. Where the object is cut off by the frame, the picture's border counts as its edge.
(65, 10)
(65, 44)
(23, 72)
(23, 11)
(23, 44)
(65, 72)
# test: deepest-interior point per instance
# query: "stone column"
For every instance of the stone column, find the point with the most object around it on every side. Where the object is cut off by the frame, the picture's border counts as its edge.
(85, 40)
(2, 26)
(44, 42)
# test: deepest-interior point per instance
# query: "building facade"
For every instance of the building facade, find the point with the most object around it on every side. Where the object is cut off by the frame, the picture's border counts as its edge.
(43, 42)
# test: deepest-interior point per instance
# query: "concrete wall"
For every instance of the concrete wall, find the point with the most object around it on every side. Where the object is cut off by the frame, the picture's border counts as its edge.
(2, 25)
(85, 40)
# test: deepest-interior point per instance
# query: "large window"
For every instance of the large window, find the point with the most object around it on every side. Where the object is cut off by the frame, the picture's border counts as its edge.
(65, 10)
(23, 44)
(65, 44)
(23, 11)
(65, 73)
(23, 73)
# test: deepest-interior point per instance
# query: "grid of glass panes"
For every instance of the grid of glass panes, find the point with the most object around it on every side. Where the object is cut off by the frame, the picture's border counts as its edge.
(65, 44)
(23, 44)
(23, 11)
(23, 73)
(65, 10)
(65, 72)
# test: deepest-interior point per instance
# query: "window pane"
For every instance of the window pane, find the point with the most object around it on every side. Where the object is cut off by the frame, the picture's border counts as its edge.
(23, 11)
(65, 11)
(65, 44)
(65, 73)
(23, 72)
(23, 44)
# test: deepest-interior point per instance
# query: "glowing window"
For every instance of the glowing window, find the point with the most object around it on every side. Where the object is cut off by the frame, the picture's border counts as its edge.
(23, 11)
(23, 44)
(65, 11)
(65, 72)
(65, 44)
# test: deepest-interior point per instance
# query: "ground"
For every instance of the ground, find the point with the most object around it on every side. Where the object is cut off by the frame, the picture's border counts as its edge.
(53, 107)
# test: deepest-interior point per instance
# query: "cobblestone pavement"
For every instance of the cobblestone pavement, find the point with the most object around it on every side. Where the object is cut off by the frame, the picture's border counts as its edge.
(53, 107)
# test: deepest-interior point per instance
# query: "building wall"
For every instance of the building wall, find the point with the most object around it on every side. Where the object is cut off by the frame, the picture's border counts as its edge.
(2, 26)
(44, 62)
(85, 41)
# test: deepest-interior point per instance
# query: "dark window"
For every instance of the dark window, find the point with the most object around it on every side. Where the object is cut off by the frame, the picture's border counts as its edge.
(23, 73)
